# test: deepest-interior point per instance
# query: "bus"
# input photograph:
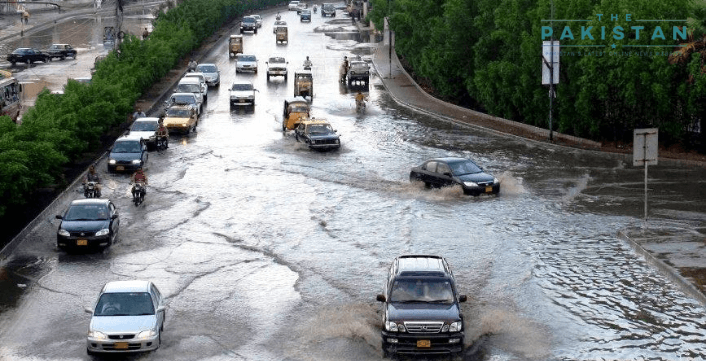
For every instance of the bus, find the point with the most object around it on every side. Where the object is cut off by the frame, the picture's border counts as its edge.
(10, 95)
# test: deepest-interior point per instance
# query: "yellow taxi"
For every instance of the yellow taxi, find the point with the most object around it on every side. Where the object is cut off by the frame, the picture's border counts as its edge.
(181, 118)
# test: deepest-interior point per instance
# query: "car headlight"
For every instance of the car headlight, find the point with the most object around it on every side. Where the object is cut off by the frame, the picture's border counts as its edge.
(64, 233)
(470, 184)
(103, 232)
(455, 326)
(146, 334)
(394, 327)
(97, 335)
(111, 161)
(496, 181)
(136, 161)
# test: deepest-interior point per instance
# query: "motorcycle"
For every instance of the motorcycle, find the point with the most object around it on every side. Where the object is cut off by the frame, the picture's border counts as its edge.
(360, 105)
(162, 143)
(138, 193)
(90, 190)
(307, 65)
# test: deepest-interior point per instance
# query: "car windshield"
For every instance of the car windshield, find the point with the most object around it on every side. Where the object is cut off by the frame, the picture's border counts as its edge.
(241, 87)
(183, 99)
(246, 58)
(124, 304)
(422, 290)
(464, 167)
(249, 20)
(188, 88)
(126, 147)
(178, 113)
(143, 126)
(319, 129)
(21, 51)
(207, 68)
(87, 212)
(277, 59)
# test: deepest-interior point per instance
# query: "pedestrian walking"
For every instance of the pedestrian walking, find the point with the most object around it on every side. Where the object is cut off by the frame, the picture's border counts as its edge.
(145, 34)
(25, 16)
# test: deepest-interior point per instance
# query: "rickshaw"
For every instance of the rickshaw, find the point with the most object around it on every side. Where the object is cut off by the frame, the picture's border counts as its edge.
(235, 45)
(303, 83)
(281, 32)
(295, 111)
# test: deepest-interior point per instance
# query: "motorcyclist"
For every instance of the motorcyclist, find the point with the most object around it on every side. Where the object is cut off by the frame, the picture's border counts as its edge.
(278, 17)
(92, 176)
(192, 65)
(307, 63)
(162, 132)
(138, 177)
(360, 100)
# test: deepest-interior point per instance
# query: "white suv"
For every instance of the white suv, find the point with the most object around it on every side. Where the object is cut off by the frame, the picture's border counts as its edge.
(277, 66)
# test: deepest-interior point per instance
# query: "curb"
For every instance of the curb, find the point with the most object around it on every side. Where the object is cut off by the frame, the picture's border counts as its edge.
(672, 274)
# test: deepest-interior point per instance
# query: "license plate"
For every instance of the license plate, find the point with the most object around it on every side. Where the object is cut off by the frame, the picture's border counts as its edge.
(423, 343)
(119, 168)
(121, 345)
(82, 242)
(488, 189)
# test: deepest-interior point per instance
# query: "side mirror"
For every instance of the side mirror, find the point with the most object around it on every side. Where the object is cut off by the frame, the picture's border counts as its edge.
(381, 298)
(448, 174)
(114, 216)
(462, 298)
(88, 310)
(59, 217)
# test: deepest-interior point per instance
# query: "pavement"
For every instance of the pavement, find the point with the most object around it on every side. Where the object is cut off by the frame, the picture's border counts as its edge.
(675, 247)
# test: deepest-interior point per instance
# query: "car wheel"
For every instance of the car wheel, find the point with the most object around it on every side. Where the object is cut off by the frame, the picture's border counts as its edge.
(13, 63)
(90, 353)
(63, 58)
(255, 31)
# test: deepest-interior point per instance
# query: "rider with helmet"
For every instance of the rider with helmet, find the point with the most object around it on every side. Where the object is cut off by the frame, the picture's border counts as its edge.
(138, 177)
(92, 176)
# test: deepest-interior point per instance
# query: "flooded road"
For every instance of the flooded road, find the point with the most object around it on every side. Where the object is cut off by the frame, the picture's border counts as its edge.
(266, 250)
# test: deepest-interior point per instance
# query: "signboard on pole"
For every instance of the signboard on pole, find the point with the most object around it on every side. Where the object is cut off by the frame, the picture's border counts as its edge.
(644, 147)
(550, 55)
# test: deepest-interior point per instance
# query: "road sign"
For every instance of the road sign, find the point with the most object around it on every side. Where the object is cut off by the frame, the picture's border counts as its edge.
(550, 54)
(644, 147)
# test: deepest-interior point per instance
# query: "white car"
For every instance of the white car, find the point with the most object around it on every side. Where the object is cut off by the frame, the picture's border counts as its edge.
(191, 85)
(293, 5)
(146, 129)
(277, 66)
(245, 62)
(258, 19)
(242, 93)
(189, 99)
(128, 317)
(202, 80)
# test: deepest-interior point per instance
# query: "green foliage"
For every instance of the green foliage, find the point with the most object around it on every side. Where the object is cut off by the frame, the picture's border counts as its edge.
(60, 128)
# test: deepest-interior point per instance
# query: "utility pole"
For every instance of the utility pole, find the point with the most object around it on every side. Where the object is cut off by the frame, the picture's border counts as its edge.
(118, 25)
(551, 76)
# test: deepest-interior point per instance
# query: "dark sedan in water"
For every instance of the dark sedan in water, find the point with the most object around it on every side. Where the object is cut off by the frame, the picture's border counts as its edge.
(88, 223)
(449, 171)
(28, 55)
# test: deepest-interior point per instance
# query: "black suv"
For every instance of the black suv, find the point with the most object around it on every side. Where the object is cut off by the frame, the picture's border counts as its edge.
(248, 23)
(62, 51)
(421, 312)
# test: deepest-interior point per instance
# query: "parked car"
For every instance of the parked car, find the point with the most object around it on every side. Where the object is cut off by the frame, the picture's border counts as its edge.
(127, 154)
(328, 9)
(181, 118)
(127, 317)
(293, 5)
(421, 312)
(305, 15)
(62, 51)
(211, 72)
(277, 66)
(317, 134)
(248, 23)
(189, 99)
(258, 20)
(450, 171)
(202, 82)
(242, 93)
(88, 223)
(194, 86)
(276, 24)
(146, 129)
(245, 62)
(27, 55)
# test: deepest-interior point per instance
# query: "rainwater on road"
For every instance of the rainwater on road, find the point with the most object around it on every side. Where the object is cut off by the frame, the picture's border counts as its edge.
(266, 250)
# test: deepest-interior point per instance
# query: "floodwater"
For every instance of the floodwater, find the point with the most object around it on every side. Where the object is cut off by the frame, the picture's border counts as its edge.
(267, 250)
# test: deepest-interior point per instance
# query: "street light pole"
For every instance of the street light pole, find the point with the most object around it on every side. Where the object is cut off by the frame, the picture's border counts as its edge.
(551, 74)
(389, 39)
